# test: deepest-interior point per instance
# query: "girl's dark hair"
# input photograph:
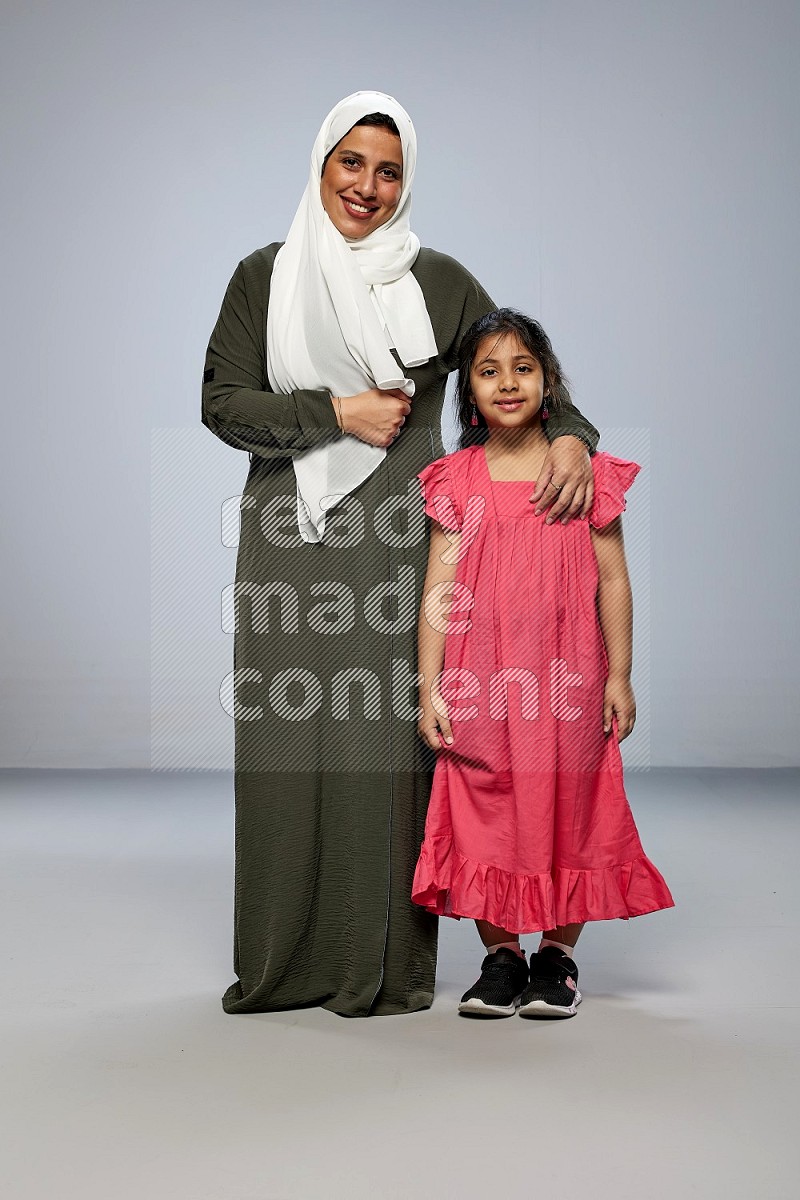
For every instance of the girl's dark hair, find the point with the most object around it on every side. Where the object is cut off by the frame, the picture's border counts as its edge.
(381, 119)
(498, 324)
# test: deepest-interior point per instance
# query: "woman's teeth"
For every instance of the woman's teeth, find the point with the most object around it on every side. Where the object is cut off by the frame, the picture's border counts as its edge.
(360, 208)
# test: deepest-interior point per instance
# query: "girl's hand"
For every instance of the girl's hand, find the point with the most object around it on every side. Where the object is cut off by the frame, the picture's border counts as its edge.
(566, 481)
(434, 724)
(376, 417)
(619, 701)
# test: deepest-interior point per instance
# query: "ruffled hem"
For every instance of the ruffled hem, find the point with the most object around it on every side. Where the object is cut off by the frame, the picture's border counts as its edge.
(438, 494)
(612, 478)
(450, 885)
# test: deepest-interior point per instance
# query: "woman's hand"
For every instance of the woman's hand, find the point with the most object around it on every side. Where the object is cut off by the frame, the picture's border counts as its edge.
(566, 481)
(434, 720)
(619, 701)
(376, 416)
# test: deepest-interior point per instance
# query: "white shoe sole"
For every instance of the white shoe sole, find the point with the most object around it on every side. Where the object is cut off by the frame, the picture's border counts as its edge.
(540, 1008)
(477, 1008)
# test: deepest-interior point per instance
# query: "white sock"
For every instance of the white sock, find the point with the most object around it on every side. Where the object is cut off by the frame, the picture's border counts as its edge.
(515, 946)
(568, 950)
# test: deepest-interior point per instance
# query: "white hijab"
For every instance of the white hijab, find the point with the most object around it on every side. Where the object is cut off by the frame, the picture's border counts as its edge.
(337, 304)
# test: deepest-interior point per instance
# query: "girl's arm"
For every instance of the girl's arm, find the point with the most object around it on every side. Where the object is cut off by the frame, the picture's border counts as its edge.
(615, 611)
(432, 632)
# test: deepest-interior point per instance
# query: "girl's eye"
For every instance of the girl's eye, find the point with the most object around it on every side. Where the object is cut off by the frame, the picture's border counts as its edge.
(522, 367)
(487, 371)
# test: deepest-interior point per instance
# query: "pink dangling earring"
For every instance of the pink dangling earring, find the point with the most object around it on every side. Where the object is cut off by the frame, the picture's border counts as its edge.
(545, 410)
(474, 418)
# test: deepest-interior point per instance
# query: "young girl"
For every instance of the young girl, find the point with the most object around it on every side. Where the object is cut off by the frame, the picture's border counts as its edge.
(525, 640)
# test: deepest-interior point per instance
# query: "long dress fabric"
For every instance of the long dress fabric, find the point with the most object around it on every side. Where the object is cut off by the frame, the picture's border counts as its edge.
(331, 780)
(528, 826)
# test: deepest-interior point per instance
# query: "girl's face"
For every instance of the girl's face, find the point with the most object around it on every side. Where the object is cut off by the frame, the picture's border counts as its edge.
(362, 180)
(507, 382)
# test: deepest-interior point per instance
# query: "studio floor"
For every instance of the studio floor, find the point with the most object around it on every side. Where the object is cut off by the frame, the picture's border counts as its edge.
(122, 1077)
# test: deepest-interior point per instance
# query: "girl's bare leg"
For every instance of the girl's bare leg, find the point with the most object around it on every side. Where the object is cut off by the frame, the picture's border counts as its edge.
(493, 935)
(566, 934)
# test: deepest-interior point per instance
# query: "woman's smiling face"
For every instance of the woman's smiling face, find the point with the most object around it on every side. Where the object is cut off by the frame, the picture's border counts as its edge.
(362, 180)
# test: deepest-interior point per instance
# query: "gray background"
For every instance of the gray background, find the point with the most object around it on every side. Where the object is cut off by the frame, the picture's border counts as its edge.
(626, 172)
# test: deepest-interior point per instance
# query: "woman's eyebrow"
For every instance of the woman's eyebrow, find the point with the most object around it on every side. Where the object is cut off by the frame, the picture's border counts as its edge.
(358, 155)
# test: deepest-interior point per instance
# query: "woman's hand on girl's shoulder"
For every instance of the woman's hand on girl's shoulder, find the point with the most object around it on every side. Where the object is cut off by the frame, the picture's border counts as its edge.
(566, 481)
(620, 702)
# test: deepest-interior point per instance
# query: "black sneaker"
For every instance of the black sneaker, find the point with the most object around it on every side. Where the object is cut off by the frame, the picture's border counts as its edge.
(497, 992)
(553, 989)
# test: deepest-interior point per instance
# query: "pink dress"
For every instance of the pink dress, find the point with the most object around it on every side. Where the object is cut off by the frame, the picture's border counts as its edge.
(528, 825)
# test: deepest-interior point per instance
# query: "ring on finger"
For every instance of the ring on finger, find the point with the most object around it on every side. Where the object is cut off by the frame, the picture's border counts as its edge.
(557, 486)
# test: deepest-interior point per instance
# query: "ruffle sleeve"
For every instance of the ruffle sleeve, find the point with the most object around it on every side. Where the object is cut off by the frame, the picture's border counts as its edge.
(612, 478)
(439, 494)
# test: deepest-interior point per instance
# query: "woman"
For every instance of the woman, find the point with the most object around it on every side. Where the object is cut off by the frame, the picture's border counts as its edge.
(328, 363)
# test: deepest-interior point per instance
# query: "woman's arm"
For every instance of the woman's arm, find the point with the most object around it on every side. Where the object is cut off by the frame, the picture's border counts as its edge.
(569, 422)
(615, 612)
(243, 415)
(437, 601)
(236, 406)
